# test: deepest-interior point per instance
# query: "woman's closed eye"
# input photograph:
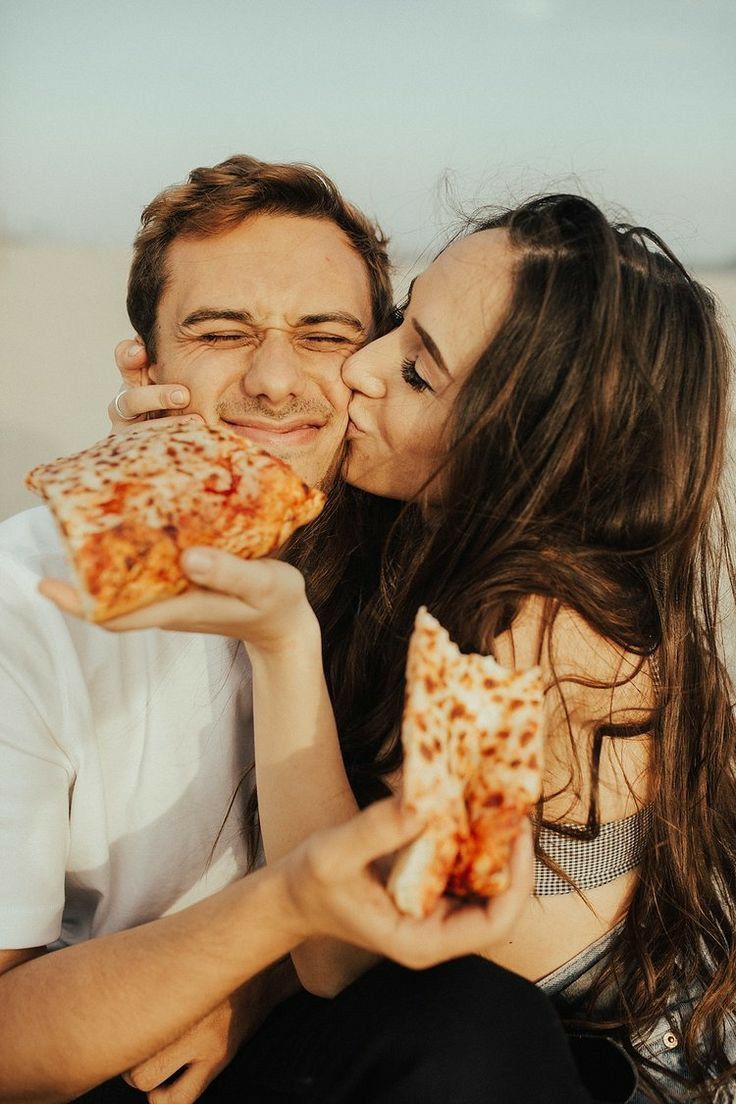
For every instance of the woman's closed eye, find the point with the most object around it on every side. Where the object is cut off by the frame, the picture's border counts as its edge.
(412, 377)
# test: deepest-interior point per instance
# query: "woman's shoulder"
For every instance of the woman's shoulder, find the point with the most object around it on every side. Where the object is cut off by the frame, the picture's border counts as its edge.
(573, 654)
(594, 688)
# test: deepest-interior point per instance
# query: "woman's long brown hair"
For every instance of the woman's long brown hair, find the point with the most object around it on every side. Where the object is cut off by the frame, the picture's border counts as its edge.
(587, 449)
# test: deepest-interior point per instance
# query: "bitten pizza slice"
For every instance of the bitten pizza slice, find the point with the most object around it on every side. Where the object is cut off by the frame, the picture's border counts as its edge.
(128, 506)
(473, 743)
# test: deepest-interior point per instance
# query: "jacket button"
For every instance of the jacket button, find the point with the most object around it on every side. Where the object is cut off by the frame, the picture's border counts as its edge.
(670, 1040)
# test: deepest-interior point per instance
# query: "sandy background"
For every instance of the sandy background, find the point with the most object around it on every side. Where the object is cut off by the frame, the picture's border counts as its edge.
(61, 313)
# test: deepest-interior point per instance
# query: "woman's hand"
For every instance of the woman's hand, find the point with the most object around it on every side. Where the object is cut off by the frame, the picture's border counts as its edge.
(139, 399)
(336, 890)
(259, 601)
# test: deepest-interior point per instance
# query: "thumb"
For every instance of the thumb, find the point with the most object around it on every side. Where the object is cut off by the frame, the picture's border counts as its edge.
(131, 359)
(187, 1087)
(379, 830)
(249, 580)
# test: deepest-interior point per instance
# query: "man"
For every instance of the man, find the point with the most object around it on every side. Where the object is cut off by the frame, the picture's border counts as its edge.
(120, 756)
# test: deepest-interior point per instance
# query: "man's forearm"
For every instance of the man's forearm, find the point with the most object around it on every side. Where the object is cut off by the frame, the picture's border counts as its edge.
(78, 1016)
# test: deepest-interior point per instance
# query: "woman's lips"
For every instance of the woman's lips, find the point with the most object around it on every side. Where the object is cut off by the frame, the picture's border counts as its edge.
(354, 428)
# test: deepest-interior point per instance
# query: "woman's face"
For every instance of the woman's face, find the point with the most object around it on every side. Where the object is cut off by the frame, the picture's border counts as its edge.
(405, 384)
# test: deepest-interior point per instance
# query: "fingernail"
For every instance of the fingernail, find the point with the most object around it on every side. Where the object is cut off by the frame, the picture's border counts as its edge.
(135, 349)
(177, 397)
(197, 561)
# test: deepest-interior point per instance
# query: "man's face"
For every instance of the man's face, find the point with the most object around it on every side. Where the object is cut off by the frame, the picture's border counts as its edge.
(257, 322)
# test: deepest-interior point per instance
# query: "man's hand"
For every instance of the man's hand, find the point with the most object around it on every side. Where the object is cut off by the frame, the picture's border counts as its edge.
(334, 886)
(142, 399)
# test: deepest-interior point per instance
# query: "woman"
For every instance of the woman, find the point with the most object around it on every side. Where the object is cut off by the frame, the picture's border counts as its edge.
(552, 408)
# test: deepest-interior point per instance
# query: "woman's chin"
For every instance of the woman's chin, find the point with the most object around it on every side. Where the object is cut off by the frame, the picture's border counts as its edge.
(386, 479)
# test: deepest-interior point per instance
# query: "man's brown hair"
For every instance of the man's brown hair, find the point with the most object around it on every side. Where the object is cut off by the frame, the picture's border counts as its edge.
(214, 200)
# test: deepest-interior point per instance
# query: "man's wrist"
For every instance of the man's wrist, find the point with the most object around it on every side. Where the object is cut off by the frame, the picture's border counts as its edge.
(279, 902)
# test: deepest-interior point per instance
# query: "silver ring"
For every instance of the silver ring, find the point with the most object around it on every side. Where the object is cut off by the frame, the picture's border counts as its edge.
(116, 404)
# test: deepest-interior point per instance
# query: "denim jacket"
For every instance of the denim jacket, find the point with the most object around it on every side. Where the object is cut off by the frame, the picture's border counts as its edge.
(567, 987)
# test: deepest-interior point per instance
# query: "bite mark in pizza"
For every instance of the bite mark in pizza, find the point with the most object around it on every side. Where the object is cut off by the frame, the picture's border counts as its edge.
(473, 746)
(128, 507)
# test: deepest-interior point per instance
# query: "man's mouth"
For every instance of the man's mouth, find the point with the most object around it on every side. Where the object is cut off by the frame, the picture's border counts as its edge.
(294, 433)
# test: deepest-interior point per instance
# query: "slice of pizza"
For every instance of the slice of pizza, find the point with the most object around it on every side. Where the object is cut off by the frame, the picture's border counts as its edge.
(473, 744)
(128, 506)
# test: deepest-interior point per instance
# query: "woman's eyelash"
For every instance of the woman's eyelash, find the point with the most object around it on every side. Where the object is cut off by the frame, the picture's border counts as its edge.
(412, 377)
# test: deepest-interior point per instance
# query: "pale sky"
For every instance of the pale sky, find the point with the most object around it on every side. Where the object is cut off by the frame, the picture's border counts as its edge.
(632, 102)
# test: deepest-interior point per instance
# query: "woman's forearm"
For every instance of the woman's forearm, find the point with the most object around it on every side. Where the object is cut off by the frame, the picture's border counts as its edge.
(301, 778)
(302, 782)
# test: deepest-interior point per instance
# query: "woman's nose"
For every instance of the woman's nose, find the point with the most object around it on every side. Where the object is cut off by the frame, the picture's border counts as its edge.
(363, 371)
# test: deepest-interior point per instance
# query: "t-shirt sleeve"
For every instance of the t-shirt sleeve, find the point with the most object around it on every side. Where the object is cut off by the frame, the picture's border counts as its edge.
(36, 775)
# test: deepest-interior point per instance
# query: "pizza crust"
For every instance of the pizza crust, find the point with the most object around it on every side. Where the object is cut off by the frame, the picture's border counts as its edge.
(473, 752)
(128, 507)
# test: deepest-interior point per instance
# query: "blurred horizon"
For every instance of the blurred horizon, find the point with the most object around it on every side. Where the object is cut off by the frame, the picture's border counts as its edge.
(630, 103)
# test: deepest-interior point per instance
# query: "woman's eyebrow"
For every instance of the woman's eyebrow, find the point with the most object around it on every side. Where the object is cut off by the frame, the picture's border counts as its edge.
(431, 348)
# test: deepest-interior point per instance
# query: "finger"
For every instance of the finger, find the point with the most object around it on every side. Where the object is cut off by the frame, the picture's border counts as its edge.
(152, 1073)
(454, 928)
(248, 580)
(379, 830)
(151, 398)
(187, 1087)
(187, 611)
(61, 594)
(477, 927)
(131, 357)
(450, 932)
(226, 613)
(521, 863)
(195, 611)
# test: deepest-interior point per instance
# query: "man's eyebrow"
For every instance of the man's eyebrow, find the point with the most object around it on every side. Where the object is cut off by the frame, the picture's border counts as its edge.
(334, 316)
(213, 314)
(431, 348)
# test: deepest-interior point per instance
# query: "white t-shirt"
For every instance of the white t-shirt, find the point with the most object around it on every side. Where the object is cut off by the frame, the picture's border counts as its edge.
(119, 756)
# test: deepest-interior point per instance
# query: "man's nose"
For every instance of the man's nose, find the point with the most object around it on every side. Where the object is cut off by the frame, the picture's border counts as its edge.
(364, 371)
(274, 371)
